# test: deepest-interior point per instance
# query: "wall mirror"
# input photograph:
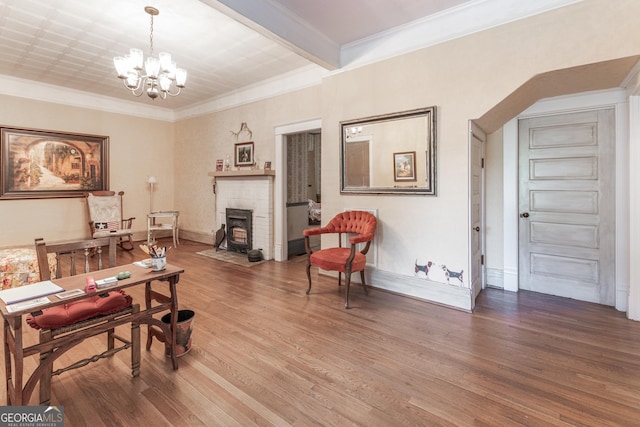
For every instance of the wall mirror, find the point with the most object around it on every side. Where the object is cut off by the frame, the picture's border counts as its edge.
(392, 153)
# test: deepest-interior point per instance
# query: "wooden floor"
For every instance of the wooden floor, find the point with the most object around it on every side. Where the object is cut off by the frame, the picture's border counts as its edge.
(265, 353)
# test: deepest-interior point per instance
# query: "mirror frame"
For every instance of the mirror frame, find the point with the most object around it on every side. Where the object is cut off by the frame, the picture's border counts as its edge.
(429, 155)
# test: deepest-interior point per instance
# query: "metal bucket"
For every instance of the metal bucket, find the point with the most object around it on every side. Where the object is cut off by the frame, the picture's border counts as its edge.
(184, 326)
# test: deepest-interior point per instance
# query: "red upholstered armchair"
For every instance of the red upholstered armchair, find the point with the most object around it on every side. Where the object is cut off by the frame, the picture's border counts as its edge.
(341, 259)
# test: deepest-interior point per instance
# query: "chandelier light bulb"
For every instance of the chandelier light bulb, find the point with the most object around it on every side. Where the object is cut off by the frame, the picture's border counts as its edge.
(152, 67)
(181, 77)
(135, 59)
(132, 80)
(158, 77)
(165, 62)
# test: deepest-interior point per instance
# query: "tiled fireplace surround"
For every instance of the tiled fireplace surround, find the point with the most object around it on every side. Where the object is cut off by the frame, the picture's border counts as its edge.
(249, 192)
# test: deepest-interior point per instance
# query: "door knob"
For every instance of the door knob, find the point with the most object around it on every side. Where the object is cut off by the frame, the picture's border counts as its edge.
(477, 228)
(524, 215)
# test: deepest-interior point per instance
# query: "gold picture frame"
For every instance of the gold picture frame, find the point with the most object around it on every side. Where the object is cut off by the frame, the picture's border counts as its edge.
(49, 164)
(404, 166)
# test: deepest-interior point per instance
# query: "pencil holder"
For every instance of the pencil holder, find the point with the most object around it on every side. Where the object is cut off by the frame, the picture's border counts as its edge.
(158, 263)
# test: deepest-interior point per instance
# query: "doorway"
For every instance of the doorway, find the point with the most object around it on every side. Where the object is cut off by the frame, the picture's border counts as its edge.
(280, 163)
(303, 195)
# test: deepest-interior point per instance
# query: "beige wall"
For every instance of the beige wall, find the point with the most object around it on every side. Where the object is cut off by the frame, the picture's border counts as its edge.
(137, 148)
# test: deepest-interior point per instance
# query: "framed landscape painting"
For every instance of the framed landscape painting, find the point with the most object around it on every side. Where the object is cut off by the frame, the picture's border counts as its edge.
(404, 166)
(45, 164)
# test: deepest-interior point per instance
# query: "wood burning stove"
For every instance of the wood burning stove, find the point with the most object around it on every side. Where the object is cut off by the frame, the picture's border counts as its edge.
(239, 230)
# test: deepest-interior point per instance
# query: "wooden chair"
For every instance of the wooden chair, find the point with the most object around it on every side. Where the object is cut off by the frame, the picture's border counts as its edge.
(68, 325)
(106, 217)
(341, 259)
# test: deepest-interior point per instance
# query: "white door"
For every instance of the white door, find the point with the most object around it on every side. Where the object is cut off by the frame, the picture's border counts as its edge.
(566, 235)
(477, 138)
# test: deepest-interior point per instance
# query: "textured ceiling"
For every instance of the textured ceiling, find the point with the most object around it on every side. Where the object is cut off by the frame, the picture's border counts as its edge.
(71, 43)
(225, 45)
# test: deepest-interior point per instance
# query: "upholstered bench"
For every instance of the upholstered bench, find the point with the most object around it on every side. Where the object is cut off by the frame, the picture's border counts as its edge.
(19, 266)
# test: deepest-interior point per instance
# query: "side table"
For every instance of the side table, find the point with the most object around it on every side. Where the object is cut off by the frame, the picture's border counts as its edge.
(154, 223)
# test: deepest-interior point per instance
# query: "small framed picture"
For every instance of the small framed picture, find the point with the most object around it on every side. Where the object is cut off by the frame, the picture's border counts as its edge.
(404, 166)
(267, 166)
(219, 165)
(243, 154)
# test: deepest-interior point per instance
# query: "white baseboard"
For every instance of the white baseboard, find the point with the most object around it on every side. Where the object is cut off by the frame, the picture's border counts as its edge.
(622, 299)
(510, 281)
(415, 287)
(440, 293)
(206, 238)
(495, 278)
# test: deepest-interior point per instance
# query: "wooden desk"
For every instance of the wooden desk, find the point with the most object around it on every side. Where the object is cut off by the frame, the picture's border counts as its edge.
(19, 392)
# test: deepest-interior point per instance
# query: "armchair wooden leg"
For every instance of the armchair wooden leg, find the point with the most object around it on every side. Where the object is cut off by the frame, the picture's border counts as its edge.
(364, 285)
(347, 279)
(309, 278)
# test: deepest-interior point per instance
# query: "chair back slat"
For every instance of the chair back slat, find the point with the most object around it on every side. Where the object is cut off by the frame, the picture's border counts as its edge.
(75, 251)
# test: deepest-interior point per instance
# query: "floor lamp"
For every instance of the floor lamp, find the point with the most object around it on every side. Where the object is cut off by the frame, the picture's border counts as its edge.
(151, 180)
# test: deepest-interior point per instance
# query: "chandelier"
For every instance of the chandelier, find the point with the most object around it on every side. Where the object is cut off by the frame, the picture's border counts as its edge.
(159, 77)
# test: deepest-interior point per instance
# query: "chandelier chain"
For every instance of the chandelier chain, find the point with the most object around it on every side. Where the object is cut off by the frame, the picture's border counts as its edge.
(151, 37)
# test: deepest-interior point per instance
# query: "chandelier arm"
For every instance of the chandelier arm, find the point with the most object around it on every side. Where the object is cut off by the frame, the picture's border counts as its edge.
(134, 90)
(173, 94)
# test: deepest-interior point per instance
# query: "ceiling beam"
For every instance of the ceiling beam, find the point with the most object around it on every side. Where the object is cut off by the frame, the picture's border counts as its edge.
(278, 24)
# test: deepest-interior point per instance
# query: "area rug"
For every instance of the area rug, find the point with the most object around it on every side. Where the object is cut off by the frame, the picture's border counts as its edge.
(228, 256)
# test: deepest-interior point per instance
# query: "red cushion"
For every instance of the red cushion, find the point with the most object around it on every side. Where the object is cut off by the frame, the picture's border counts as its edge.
(334, 259)
(77, 311)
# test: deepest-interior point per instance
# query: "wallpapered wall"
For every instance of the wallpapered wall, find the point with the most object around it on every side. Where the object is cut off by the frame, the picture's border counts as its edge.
(303, 154)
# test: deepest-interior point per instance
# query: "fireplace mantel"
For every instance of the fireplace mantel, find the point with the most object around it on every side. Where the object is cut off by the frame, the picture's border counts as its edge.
(241, 173)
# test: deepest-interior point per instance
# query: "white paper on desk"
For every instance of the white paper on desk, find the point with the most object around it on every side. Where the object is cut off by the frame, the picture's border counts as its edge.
(27, 292)
(24, 305)
(146, 263)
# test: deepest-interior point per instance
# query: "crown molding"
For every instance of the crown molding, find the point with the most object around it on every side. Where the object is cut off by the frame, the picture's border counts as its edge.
(37, 91)
(301, 78)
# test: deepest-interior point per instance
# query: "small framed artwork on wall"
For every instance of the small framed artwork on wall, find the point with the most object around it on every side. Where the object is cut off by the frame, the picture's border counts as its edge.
(243, 154)
(404, 166)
